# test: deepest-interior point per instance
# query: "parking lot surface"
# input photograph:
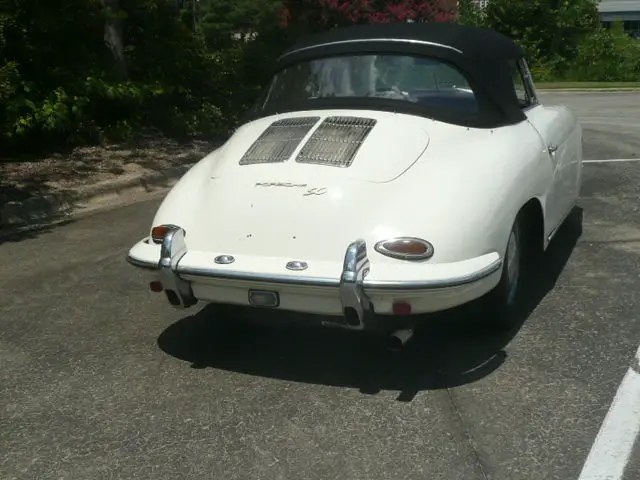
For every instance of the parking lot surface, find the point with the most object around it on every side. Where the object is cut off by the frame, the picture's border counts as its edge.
(101, 378)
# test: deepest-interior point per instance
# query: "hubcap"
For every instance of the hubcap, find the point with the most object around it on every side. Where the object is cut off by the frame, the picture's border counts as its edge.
(513, 264)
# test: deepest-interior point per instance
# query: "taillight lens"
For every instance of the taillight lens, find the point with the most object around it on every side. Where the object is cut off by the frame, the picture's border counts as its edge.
(158, 232)
(405, 248)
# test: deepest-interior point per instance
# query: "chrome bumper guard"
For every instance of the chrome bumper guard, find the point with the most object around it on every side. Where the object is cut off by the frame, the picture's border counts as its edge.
(356, 306)
(173, 248)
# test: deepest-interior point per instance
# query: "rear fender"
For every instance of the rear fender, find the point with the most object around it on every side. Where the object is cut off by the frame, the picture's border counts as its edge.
(178, 205)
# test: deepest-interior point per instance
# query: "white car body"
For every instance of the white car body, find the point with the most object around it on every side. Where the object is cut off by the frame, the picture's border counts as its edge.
(460, 188)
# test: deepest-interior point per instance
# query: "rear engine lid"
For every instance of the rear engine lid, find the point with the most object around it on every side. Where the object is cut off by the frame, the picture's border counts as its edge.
(361, 145)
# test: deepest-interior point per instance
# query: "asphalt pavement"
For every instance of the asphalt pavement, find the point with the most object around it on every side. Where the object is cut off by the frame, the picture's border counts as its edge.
(102, 379)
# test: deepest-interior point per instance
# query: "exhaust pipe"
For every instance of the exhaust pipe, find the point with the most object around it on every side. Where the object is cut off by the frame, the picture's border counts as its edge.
(399, 338)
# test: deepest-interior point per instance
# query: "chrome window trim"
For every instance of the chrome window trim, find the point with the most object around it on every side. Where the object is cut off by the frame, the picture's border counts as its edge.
(522, 69)
(372, 40)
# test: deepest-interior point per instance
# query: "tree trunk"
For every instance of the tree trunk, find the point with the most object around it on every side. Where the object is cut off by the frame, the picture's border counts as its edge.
(113, 29)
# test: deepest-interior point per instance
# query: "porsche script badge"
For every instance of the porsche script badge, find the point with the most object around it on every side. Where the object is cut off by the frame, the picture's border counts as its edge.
(308, 192)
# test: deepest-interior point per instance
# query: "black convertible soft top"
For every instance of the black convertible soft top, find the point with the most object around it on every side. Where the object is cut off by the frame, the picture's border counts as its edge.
(485, 57)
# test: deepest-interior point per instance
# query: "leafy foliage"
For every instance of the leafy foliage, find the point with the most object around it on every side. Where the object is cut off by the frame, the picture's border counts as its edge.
(545, 28)
(606, 55)
(563, 39)
(84, 71)
(58, 85)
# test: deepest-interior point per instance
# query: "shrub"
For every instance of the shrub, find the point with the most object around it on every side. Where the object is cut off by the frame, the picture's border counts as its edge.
(605, 55)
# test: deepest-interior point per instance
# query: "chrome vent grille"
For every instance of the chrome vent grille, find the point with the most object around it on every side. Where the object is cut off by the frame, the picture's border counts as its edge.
(336, 141)
(278, 142)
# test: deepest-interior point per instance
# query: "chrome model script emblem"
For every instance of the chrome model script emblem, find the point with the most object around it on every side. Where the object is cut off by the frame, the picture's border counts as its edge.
(315, 191)
(308, 192)
(280, 184)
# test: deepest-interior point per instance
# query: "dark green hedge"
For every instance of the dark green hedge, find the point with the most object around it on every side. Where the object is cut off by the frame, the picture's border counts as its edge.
(183, 76)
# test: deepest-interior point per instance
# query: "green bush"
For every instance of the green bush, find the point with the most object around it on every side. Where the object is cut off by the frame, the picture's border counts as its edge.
(59, 84)
(183, 74)
(605, 55)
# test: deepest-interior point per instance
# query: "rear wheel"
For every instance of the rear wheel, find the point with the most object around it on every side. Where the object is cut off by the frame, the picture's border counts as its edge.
(501, 304)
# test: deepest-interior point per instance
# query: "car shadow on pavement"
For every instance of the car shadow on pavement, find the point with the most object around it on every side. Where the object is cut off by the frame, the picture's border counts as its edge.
(451, 349)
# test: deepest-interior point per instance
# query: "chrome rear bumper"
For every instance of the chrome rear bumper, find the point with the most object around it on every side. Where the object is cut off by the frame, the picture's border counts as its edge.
(355, 304)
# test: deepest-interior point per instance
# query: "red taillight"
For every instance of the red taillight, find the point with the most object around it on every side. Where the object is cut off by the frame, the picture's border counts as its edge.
(406, 248)
(401, 308)
(155, 286)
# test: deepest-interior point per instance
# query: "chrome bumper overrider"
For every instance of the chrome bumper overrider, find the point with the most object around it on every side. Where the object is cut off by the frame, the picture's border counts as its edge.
(356, 306)
(171, 252)
(355, 303)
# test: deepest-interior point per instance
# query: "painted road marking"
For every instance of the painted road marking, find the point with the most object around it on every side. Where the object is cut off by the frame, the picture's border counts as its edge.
(612, 448)
(612, 160)
(606, 122)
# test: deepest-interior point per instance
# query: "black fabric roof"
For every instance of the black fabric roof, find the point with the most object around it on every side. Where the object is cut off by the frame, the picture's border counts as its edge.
(484, 56)
(471, 41)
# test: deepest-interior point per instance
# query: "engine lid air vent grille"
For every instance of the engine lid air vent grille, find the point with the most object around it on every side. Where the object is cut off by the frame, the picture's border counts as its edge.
(336, 141)
(278, 142)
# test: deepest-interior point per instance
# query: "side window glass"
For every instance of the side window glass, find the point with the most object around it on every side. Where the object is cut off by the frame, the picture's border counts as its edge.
(520, 85)
(528, 81)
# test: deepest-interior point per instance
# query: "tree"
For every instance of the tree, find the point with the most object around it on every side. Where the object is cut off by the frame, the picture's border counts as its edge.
(548, 30)
(470, 13)
(113, 29)
(608, 54)
(223, 22)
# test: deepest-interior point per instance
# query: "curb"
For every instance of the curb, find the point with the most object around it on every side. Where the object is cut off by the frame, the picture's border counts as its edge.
(50, 208)
(588, 90)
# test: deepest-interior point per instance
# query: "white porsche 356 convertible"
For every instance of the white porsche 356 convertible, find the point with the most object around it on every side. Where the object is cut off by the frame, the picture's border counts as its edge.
(387, 170)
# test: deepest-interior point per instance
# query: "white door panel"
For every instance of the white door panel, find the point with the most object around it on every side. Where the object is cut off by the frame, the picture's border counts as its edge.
(560, 133)
(555, 126)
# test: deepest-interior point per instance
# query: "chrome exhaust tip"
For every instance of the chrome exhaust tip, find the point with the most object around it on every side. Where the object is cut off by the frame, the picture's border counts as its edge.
(398, 339)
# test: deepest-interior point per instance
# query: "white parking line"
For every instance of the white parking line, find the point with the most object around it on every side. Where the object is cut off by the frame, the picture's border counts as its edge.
(613, 445)
(612, 160)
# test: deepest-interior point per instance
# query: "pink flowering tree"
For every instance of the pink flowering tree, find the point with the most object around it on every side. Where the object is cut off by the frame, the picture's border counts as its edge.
(312, 15)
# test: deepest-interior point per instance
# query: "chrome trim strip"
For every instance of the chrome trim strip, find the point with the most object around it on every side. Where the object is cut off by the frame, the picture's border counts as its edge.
(370, 40)
(142, 263)
(437, 284)
(348, 276)
(258, 277)
(555, 230)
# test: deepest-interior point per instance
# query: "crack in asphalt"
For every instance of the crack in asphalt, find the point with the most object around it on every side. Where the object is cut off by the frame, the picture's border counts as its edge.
(468, 436)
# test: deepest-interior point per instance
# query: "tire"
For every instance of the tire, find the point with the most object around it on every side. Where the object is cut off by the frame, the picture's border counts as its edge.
(501, 304)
